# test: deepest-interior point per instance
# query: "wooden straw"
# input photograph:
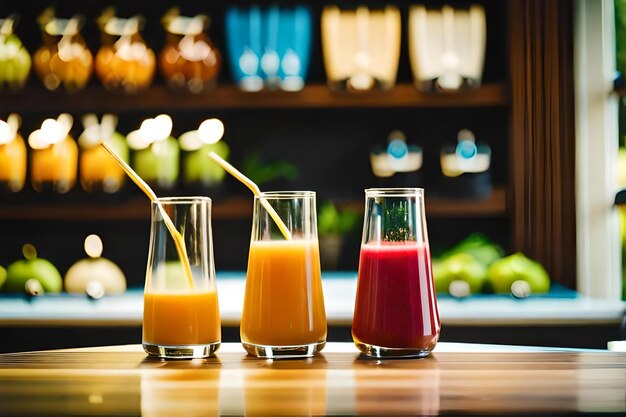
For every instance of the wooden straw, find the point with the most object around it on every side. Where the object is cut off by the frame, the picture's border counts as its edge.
(178, 238)
(255, 190)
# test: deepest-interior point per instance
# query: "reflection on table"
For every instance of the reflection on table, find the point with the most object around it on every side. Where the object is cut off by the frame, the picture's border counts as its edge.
(499, 380)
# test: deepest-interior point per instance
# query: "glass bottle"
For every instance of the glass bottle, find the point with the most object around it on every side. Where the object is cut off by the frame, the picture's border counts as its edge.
(181, 314)
(124, 62)
(283, 312)
(189, 59)
(54, 156)
(15, 60)
(63, 59)
(396, 311)
(98, 170)
(12, 155)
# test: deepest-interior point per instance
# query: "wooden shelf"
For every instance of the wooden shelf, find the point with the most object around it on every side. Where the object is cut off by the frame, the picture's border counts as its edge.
(134, 209)
(233, 208)
(160, 98)
(493, 205)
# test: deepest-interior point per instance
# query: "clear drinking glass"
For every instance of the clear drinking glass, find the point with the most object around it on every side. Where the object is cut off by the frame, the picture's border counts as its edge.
(283, 311)
(396, 311)
(181, 316)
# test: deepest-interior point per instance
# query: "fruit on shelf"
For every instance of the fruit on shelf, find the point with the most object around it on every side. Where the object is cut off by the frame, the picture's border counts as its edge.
(3, 276)
(479, 246)
(507, 273)
(30, 269)
(15, 60)
(63, 59)
(459, 274)
(95, 275)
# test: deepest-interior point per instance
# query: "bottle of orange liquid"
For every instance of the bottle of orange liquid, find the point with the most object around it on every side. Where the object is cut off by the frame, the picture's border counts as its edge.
(124, 62)
(12, 155)
(181, 314)
(64, 58)
(283, 312)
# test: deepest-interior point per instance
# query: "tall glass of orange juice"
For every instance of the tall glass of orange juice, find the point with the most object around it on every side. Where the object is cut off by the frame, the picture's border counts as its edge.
(181, 316)
(283, 311)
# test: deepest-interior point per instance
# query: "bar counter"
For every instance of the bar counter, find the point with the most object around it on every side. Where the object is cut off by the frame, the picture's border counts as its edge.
(456, 379)
(560, 306)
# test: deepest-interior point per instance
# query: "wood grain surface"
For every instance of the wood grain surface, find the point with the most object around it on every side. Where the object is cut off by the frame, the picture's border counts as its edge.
(122, 381)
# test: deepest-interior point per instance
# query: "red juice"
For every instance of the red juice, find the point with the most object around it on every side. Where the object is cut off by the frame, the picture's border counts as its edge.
(396, 306)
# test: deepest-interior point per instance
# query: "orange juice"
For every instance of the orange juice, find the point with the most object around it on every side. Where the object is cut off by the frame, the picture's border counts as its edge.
(284, 304)
(181, 318)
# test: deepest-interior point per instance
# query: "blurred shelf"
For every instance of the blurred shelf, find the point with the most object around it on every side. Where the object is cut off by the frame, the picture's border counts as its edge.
(160, 98)
(232, 208)
(494, 205)
(135, 209)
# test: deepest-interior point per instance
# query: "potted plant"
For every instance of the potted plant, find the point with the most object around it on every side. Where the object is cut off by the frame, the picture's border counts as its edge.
(334, 224)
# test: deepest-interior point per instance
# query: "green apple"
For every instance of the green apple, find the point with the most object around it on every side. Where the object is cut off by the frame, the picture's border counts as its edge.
(158, 163)
(199, 168)
(3, 276)
(32, 268)
(479, 246)
(459, 267)
(517, 267)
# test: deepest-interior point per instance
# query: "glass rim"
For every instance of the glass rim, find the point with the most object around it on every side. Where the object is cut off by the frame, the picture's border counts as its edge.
(182, 200)
(276, 195)
(394, 192)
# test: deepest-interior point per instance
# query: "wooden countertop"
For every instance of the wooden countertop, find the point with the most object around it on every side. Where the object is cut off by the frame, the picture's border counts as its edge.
(456, 379)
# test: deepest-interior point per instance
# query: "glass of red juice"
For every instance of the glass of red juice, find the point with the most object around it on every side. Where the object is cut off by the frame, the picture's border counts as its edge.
(395, 313)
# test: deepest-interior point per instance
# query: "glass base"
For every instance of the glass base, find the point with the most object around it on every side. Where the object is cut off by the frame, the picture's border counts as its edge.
(283, 352)
(389, 353)
(181, 351)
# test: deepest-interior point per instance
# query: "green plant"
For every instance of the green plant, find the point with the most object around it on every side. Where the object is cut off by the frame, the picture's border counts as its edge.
(334, 221)
(261, 172)
(395, 214)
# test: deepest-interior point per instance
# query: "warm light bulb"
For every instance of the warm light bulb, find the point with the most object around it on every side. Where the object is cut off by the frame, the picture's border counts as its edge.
(190, 141)
(36, 141)
(136, 140)
(93, 246)
(157, 129)
(164, 125)
(52, 132)
(5, 133)
(211, 131)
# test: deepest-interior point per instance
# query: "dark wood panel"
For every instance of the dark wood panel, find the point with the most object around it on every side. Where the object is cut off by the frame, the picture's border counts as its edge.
(160, 98)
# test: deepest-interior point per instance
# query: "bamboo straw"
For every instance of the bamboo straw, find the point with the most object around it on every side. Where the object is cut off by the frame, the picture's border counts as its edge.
(178, 238)
(255, 190)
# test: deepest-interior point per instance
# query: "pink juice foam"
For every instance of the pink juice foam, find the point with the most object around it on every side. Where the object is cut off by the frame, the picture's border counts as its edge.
(396, 305)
